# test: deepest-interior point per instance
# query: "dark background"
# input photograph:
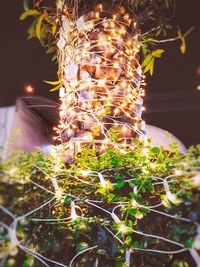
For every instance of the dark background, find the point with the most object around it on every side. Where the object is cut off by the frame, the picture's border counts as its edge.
(172, 101)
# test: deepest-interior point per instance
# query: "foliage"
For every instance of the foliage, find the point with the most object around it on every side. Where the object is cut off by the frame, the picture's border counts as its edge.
(131, 180)
(153, 18)
(136, 207)
(43, 27)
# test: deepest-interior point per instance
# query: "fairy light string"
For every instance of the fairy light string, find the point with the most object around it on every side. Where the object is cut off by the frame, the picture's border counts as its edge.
(102, 87)
(102, 80)
(114, 215)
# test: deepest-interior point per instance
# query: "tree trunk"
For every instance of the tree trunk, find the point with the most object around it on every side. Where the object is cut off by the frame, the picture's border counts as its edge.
(101, 76)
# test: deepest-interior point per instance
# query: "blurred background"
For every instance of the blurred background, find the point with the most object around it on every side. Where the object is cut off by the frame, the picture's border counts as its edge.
(173, 93)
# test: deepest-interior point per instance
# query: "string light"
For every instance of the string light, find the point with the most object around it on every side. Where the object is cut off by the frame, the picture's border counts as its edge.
(178, 172)
(85, 173)
(78, 110)
(102, 71)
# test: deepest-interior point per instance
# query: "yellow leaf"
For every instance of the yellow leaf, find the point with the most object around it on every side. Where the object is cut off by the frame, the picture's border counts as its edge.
(158, 52)
(53, 83)
(55, 88)
(54, 27)
(38, 26)
(152, 66)
(30, 12)
(147, 59)
(183, 46)
(51, 50)
(183, 43)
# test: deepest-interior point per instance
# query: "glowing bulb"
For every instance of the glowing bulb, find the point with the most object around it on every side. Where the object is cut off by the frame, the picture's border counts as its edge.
(116, 111)
(114, 16)
(126, 17)
(69, 132)
(124, 128)
(134, 203)
(173, 198)
(139, 216)
(97, 15)
(59, 194)
(122, 31)
(122, 151)
(101, 83)
(152, 166)
(116, 65)
(85, 173)
(56, 169)
(178, 172)
(100, 7)
(123, 229)
(79, 150)
(29, 89)
(62, 92)
(145, 151)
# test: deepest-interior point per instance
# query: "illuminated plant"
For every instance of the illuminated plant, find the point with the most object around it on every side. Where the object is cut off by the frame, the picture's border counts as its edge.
(103, 196)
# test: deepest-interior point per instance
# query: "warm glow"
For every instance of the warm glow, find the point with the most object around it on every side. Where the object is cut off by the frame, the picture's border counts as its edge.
(101, 78)
(29, 89)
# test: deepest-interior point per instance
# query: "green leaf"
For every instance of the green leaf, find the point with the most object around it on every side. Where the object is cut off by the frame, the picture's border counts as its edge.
(10, 263)
(149, 40)
(26, 5)
(81, 246)
(180, 263)
(38, 26)
(28, 13)
(120, 184)
(189, 243)
(158, 53)
(133, 212)
(117, 176)
(67, 200)
(136, 244)
(26, 264)
(155, 150)
(54, 57)
(145, 49)
(128, 240)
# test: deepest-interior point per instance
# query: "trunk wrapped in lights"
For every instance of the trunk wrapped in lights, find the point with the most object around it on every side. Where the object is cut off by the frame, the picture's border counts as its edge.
(101, 76)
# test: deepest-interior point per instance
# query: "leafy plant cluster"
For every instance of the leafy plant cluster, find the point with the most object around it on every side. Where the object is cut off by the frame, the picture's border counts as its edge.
(130, 180)
(153, 18)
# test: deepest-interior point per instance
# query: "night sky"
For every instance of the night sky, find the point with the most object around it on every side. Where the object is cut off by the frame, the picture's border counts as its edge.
(25, 62)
